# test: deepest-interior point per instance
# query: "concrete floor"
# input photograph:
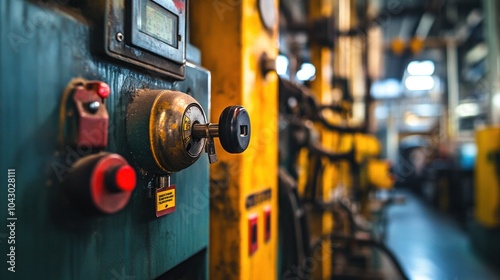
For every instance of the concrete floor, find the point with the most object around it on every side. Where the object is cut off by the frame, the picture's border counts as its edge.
(431, 245)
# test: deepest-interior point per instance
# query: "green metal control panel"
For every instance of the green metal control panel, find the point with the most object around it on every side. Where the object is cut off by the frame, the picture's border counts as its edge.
(115, 49)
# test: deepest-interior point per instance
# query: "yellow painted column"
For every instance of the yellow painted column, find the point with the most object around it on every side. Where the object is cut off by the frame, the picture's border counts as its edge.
(232, 39)
(487, 195)
(321, 58)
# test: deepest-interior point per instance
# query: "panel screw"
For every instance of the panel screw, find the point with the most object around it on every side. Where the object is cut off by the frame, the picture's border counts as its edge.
(119, 36)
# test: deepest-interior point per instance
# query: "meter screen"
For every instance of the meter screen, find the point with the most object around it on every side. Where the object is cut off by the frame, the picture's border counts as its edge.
(158, 22)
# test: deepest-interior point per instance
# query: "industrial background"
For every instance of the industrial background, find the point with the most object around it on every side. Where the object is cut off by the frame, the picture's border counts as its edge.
(250, 139)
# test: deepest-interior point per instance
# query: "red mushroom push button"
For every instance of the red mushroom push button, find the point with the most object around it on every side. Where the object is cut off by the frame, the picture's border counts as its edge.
(120, 179)
(102, 182)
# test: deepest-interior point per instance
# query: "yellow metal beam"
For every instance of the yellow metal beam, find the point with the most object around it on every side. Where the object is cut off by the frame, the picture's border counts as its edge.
(321, 58)
(232, 40)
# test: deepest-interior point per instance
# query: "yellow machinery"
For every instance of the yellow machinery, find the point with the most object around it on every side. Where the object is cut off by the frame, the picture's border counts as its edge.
(347, 62)
(322, 223)
(337, 178)
(379, 174)
(487, 188)
(485, 228)
(236, 39)
(377, 171)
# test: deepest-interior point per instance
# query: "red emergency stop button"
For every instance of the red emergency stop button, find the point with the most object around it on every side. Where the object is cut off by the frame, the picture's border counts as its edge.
(112, 182)
(120, 179)
(102, 182)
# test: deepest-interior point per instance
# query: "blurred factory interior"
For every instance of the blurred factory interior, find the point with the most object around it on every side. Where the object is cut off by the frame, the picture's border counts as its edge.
(250, 139)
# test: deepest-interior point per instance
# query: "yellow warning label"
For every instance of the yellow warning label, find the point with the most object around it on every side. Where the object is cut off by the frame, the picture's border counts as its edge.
(165, 199)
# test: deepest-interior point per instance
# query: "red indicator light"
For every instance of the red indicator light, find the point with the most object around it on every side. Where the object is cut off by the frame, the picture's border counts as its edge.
(101, 88)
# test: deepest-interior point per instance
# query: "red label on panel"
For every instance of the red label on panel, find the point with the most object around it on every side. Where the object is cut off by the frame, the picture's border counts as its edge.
(267, 223)
(253, 243)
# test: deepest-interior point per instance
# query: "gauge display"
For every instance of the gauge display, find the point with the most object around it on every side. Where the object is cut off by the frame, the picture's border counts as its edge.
(150, 34)
(159, 23)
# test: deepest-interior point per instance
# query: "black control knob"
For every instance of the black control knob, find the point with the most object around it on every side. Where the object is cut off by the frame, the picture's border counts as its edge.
(233, 130)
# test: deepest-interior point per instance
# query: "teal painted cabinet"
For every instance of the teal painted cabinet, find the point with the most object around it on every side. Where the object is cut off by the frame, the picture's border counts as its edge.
(42, 48)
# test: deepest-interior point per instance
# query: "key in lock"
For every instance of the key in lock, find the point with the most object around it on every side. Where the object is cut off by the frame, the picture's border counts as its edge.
(168, 130)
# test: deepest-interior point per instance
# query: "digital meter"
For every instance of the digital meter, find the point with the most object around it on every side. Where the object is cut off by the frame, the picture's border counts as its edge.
(159, 23)
(148, 33)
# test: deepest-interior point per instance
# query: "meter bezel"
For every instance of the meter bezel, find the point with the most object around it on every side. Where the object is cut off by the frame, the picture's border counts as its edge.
(118, 32)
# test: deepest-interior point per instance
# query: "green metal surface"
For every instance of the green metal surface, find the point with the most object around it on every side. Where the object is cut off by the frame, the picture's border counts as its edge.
(42, 49)
(485, 242)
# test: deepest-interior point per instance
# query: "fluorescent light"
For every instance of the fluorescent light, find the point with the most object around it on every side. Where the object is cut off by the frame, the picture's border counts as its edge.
(467, 110)
(306, 72)
(411, 119)
(496, 99)
(389, 88)
(419, 83)
(421, 68)
(426, 110)
(282, 63)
